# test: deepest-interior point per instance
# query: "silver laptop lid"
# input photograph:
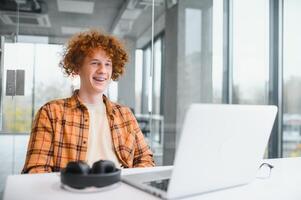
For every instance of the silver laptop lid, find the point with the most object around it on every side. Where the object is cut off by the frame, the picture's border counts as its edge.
(220, 146)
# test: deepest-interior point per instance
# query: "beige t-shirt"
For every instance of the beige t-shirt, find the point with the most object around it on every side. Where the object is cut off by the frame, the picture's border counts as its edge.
(100, 145)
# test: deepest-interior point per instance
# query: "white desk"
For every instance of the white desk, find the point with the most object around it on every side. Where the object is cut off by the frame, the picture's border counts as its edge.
(284, 183)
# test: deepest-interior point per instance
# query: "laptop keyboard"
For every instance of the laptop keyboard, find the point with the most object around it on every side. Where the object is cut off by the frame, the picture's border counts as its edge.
(159, 184)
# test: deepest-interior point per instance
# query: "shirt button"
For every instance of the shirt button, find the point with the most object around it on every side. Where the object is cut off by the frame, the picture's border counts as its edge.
(86, 120)
(84, 141)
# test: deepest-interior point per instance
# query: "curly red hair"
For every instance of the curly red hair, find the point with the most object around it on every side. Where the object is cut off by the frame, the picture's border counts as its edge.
(82, 44)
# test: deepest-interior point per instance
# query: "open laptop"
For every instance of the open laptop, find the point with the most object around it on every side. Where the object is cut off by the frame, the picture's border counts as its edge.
(221, 146)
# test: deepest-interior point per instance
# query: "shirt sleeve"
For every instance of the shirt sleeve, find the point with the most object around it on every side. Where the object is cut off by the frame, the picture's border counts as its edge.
(39, 157)
(143, 156)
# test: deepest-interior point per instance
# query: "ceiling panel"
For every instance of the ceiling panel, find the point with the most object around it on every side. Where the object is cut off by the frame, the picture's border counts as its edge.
(103, 15)
(63, 18)
(85, 7)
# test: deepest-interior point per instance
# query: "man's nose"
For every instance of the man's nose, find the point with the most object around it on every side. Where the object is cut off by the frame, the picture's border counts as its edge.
(101, 68)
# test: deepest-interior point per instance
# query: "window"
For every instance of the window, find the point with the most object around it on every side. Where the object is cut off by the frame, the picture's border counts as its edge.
(148, 90)
(155, 84)
(44, 81)
(145, 82)
(217, 51)
(49, 80)
(157, 76)
(17, 110)
(291, 78)
(138, 79)
(250, 51)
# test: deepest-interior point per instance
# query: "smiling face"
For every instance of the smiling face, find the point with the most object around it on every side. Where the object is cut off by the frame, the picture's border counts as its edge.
(95, 72)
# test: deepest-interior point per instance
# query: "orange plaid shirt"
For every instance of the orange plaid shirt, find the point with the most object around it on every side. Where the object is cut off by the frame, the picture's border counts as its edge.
(60, 134)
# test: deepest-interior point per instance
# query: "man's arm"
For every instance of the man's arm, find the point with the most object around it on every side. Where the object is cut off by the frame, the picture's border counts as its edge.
(143, 156)
(39, 157)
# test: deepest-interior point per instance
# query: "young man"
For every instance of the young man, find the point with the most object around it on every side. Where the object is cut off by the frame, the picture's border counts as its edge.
(88, 126)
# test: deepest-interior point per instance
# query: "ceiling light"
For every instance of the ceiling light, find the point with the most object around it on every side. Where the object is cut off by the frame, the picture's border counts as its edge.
(85, 7)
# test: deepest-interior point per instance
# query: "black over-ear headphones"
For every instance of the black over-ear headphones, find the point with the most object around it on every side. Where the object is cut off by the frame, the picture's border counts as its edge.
(79, 175)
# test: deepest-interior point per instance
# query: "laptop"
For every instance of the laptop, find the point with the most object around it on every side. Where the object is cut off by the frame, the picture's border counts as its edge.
(221, 146)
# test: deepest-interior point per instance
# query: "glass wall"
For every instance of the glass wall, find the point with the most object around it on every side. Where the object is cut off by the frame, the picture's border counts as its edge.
(158, 59)
(217, 51)
(44, 81)
(148, 90)
(250, 57)
(291, 78)
(146, 85)
(155, 83)
(192, 70)
(200, 54)
(17, 110)
(138, 79)
(49, 80)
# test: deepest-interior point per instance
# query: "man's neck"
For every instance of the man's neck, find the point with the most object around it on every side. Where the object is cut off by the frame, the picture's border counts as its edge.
(90, 98)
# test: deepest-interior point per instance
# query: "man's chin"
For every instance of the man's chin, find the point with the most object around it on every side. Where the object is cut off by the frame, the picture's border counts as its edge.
(98, 90)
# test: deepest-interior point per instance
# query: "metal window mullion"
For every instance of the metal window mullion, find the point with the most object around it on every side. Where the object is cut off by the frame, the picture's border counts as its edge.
(2, 40)
(280, 78)
(275, 70)
(227, 52)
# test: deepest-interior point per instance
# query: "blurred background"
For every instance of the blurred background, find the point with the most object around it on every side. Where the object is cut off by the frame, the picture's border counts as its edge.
(181, 52)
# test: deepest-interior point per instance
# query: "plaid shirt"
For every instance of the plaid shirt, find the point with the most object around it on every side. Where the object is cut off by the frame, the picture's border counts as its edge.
(60, 134)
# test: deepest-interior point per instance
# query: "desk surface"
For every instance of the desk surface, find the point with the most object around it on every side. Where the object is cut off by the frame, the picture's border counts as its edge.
(284, 183)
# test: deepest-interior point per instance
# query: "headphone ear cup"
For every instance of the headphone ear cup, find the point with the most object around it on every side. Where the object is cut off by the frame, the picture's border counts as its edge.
(103, 166)
(77, 168)
(79, 175)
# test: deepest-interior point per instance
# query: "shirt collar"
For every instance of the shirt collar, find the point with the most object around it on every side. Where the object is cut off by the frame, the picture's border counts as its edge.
(76, 103)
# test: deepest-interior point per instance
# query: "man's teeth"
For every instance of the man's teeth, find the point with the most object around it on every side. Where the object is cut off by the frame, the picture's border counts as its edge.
(99, 78)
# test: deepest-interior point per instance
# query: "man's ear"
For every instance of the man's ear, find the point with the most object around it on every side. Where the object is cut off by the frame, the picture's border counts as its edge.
(76, 71)
(74, 75)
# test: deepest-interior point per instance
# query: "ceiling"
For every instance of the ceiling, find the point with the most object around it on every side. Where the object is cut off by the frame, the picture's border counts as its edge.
(58, 19)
